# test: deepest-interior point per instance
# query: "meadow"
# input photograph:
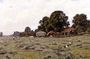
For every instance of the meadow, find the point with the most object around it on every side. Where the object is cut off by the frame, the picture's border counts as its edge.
(76, 47)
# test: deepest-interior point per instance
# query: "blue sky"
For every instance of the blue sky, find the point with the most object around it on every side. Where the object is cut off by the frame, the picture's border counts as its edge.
(15, 15)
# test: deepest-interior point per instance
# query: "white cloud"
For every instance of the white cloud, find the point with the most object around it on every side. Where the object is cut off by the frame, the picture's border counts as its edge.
(15, 15)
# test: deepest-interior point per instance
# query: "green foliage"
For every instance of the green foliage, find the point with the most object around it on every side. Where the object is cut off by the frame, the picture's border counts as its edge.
(27, 30)
(56, 22)
(80, 23)
(80, 19)
(44, 23)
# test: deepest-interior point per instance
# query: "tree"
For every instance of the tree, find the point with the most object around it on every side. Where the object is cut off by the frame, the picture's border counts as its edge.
(56, 22)
(80, 22)
(88, 26)
(80, 19)
(43, 24)
(27, 30)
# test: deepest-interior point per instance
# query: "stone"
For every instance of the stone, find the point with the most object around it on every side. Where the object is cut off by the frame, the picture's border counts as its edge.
(3, 51)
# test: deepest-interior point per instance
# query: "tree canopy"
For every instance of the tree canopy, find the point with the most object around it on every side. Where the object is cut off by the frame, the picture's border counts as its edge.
(81, 24)
(56, 22)
(27, 30)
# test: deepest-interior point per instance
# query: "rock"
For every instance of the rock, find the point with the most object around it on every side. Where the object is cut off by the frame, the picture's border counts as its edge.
(54, 43)
(69, 56)
(66, 46)
(38, 49)
(65, 55)
(29, 48)
(31, 36)
(2, 57)
(3, 51)
(1, 41)
(50, 56)
(69, 43)
(7, 57)
(37, 43)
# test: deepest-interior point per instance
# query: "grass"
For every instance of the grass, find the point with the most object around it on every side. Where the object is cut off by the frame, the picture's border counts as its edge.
(82, 52)
(28, 54)
(31, 54)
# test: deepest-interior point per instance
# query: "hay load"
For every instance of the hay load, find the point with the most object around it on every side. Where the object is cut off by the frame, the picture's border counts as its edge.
(40, 34)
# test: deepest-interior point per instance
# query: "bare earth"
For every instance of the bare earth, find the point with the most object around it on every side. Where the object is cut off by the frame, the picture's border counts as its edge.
(77, 47)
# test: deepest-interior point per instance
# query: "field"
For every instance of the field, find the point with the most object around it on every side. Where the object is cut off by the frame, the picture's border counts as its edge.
(76, 47)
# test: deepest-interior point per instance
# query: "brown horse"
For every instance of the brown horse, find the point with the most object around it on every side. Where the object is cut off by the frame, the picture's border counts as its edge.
(68, 31)
(51, 33)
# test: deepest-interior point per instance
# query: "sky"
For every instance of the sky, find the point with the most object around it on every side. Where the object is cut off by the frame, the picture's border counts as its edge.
(15, 15)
